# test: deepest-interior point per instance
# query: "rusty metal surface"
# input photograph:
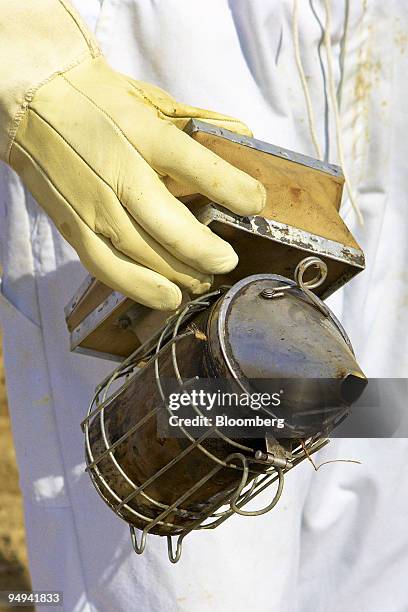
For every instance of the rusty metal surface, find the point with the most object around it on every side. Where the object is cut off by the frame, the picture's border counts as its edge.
(267, 246)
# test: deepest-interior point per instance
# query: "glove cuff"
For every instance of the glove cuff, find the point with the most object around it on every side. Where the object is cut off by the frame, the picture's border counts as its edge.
(39, 39)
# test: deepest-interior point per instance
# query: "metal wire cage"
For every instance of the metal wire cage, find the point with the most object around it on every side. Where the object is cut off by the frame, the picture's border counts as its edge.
(215, 476)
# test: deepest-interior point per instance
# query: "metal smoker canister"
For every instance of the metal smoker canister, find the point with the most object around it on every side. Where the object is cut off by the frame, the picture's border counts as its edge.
(264, 327)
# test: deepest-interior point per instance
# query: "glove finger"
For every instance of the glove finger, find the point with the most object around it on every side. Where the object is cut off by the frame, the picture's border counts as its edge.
(168, 221)
(179, 113)
(122, 274)
(171, 224)
(188, 162)
(132, 240)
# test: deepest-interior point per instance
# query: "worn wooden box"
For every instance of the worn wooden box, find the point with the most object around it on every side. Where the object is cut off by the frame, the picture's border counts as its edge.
(300, 218)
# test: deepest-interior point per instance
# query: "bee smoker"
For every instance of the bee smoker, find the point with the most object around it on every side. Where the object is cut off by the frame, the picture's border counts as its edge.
(262, 325)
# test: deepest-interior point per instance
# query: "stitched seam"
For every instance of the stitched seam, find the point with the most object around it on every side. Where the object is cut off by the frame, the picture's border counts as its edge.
(107, 115)
(74, 150)
(28, 97)
(43, 172)
(48, 179)
(191, 116)
(62, 196)
(91, 43)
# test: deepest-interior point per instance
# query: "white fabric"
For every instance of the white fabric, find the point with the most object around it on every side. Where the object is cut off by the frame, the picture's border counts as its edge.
(338, 539)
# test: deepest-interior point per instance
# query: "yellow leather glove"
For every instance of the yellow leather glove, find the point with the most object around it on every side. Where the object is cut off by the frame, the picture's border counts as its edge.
(93, 146)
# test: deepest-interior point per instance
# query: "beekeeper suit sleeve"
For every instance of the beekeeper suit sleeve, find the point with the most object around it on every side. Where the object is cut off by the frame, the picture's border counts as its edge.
(96, 148)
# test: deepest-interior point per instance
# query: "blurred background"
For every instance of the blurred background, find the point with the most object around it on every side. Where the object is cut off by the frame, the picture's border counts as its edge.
(14, 574)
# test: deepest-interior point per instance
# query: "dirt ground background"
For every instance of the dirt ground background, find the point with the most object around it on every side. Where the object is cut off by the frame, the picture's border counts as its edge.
(14, 574)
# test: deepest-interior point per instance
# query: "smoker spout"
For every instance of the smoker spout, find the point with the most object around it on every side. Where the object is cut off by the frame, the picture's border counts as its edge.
(352, 387)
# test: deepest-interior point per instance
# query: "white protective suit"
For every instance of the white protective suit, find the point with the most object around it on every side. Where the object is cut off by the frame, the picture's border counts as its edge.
(338, 540)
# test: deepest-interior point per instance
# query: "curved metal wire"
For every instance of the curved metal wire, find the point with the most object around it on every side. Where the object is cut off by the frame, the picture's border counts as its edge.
(138, 548)
(241, 486)
(174, 557)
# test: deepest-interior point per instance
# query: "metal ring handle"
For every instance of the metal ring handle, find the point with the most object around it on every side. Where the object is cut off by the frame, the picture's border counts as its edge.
(304, 265)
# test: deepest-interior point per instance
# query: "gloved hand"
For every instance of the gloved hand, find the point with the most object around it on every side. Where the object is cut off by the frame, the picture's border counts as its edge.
(93, 146)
